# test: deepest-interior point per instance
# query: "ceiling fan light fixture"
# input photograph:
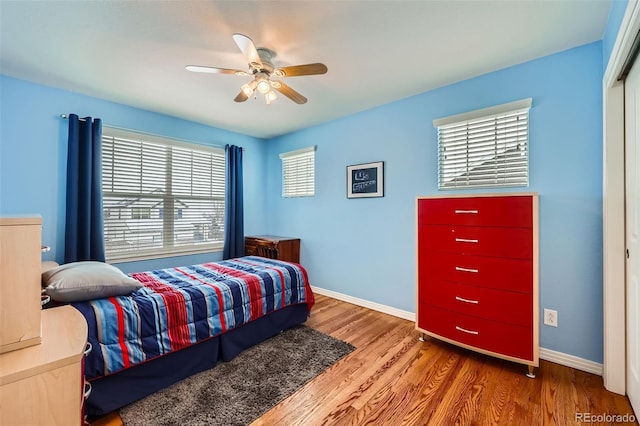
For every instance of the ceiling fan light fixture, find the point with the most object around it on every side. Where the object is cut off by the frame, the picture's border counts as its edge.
(246, 89)
(263, 85)
(271, 96)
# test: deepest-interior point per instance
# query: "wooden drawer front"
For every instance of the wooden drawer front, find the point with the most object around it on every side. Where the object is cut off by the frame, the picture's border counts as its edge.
(274, 247)
(497, 305)
(506, 339)
(510, 211)
(249, 250)
(257, 247)
(514, 243)
(491, 272)
(49, 398)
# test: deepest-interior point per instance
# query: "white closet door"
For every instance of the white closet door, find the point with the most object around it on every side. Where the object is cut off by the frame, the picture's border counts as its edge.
(632, 197)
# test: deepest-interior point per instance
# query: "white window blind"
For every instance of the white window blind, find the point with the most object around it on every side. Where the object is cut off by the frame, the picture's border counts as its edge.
(160, 196)
(298, 172)
(485, 148)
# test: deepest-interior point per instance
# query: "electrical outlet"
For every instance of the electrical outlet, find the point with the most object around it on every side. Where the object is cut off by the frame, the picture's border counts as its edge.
(551, 317)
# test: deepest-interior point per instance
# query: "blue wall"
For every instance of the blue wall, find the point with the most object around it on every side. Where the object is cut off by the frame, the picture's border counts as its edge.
(366, 248)
(33, 149)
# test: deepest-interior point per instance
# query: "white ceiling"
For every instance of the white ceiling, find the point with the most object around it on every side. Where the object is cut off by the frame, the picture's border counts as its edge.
(134, 52)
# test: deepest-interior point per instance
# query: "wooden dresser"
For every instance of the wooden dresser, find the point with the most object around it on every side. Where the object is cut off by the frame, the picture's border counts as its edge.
(43, 384)
(41, 367)
(273, 247)
(478, 273)
(20, 263)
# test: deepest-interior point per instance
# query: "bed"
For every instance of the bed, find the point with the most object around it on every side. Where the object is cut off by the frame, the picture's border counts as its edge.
(184, 320)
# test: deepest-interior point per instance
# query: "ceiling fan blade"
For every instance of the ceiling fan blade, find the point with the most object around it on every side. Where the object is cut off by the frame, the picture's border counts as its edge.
(297, 70)
(247, 47)
(214, 70)
(289, 92)
(241, 97)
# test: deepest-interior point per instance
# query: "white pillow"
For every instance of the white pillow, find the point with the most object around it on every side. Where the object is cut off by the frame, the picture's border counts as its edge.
(77, 281)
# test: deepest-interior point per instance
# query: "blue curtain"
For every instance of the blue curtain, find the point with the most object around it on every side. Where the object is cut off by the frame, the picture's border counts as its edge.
(84, 238)
(233, 204)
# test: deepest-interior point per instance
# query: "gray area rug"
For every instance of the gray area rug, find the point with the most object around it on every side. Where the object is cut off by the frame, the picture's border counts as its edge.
(240, 391)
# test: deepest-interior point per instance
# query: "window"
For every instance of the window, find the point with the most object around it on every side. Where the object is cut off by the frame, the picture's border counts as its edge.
(485, 148)
(177, 214)
(144, 176)
(140, 213)
(298, 172)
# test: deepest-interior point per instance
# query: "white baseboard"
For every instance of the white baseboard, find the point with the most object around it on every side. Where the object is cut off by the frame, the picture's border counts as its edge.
(546, 354)
(366, 304)
(571, 361)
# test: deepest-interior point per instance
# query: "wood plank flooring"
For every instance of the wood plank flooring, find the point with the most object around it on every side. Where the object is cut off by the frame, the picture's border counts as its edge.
(394, 379)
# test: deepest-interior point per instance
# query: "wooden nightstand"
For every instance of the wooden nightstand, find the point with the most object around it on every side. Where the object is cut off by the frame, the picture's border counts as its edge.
(273, 247)
(43, 384)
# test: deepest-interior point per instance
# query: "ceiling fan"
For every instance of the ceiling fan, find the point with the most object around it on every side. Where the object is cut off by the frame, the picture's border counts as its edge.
(262, 69)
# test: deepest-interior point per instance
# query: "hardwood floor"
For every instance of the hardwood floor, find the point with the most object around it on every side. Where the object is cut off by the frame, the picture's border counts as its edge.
(394, 379)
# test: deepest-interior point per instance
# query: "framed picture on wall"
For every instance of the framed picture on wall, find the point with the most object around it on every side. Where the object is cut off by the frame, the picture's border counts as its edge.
(365, 180)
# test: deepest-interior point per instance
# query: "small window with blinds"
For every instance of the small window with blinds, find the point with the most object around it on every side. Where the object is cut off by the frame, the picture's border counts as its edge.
(160, 196)
(298, 172)
(485, 148)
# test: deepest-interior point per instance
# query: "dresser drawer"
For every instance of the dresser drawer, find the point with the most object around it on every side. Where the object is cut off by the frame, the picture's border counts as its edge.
(510, 340)
(503, 306)
(511, 211)
(514, 243)
(492, 272)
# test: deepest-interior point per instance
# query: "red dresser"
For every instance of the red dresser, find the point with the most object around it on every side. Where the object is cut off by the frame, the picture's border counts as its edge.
(478, 273)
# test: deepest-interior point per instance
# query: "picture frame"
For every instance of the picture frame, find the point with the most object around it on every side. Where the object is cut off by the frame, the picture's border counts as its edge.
(365, 180)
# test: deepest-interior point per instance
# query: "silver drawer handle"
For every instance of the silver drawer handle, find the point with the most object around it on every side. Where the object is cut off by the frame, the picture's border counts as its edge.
(466, 211)
(464, 330)
(466, 240)
(458, 268)
(87, 389)
(88, 349)
(462, 299)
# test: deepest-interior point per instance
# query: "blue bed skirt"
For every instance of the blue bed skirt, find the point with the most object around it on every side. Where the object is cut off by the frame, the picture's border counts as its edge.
(112, 392)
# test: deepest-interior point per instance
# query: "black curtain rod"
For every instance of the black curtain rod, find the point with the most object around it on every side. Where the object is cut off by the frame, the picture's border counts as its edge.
(65, 116)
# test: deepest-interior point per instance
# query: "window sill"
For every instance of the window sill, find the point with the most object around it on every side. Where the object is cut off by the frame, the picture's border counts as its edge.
(162, 255)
